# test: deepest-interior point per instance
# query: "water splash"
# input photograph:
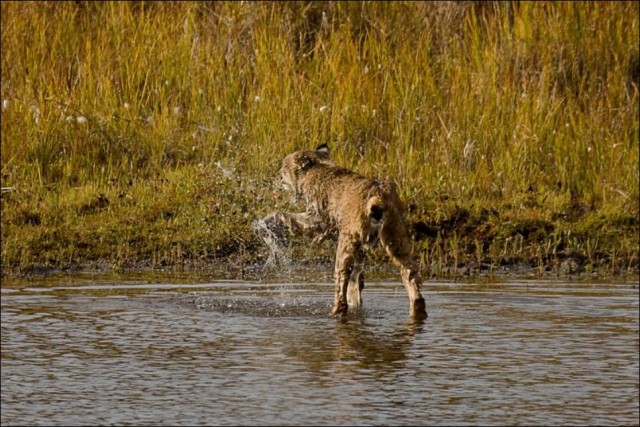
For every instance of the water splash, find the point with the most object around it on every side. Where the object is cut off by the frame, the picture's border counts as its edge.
(277, 254)
(273, 306)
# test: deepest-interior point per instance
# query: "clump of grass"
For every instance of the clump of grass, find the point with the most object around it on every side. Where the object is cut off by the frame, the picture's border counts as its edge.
(524, 115)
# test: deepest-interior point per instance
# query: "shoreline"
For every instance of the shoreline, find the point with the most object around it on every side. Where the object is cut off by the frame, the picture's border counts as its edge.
(256, 270)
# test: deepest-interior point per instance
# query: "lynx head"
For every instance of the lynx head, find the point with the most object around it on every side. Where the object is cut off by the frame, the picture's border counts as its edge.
(298, 163)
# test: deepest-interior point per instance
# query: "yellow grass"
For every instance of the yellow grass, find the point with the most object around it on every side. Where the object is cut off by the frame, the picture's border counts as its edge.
(524, 117)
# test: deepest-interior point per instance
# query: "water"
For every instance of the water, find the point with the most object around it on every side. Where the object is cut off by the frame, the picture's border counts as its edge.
(277, 254)
(254, 353)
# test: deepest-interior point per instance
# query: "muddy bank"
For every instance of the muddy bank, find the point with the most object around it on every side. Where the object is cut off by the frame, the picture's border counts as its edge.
(256, 268)
(450, 241)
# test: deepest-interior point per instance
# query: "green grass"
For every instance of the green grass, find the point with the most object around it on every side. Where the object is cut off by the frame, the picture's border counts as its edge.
(149, 134)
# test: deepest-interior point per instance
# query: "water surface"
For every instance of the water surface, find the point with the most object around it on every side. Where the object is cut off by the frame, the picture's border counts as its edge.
(256, 353)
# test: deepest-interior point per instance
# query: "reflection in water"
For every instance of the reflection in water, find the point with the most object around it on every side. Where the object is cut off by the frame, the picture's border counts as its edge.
(356, 341)
(246, 354)
(356, 344)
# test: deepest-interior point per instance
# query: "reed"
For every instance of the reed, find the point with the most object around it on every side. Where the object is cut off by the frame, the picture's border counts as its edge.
(149, 133)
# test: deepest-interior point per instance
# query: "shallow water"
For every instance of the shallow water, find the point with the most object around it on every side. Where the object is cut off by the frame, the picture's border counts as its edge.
(255, 353)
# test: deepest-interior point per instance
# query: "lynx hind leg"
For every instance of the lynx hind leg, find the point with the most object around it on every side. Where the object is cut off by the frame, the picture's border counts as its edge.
(348, 276)
(395, 240)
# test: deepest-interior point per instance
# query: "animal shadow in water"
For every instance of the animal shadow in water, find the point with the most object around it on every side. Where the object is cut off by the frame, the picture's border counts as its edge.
(355, 338)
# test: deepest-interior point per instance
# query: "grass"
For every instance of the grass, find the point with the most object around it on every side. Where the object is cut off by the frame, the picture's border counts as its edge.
(148, 134)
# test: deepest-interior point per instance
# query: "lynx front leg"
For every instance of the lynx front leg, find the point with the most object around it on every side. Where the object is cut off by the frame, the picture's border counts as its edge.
(273, 230)
(296, 223)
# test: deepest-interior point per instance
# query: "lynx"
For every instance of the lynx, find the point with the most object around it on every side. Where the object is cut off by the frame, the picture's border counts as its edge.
(362, 211)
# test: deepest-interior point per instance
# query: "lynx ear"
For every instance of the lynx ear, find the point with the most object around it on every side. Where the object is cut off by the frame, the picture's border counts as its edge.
(304, 163)
(324, 149)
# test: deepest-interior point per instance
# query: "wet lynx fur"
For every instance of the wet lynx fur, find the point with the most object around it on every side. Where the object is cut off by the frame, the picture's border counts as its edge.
(363, 211)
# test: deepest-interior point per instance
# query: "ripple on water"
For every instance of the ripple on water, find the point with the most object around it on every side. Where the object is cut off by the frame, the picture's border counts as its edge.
(269, 354)
(266, 306)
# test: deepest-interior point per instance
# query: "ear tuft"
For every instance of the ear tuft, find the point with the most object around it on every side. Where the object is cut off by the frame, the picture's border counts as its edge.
(324, 148)
(304, 163)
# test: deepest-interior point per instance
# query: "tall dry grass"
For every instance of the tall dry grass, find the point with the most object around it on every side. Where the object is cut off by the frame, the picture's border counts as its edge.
(527, 109)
